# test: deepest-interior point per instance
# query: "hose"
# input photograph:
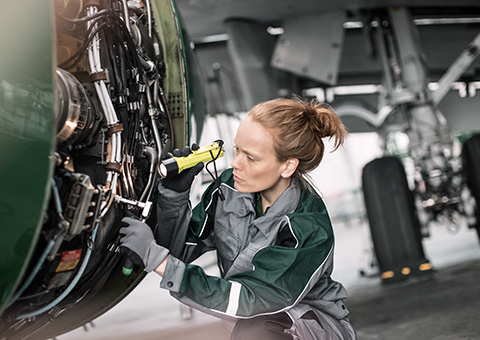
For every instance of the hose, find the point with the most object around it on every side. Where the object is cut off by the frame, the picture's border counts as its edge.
(33, 273)
(70, 286)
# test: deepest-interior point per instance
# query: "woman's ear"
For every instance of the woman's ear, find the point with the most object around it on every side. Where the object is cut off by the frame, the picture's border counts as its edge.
(290, 167)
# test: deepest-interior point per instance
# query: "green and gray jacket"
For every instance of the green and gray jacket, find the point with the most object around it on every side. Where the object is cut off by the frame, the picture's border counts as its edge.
(268, 264)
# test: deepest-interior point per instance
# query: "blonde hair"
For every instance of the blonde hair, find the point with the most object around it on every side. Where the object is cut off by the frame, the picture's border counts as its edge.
(298, 127)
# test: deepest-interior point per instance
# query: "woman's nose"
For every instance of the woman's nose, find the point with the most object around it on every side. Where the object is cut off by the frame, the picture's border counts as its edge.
(235, 162)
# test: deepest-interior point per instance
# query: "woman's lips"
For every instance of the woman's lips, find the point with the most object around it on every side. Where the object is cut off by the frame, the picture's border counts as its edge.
(237, 179)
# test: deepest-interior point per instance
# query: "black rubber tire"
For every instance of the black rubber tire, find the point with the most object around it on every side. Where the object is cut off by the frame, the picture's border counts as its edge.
(394, 225)
(471, 166)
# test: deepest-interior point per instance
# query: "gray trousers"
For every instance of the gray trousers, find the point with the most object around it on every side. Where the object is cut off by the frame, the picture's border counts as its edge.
(300, 323)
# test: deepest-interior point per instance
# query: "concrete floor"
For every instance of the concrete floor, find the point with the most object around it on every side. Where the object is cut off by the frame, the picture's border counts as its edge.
(443, 307)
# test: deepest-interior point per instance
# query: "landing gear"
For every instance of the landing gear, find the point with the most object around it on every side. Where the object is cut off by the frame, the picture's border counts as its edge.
(471, 165)
(394, 224)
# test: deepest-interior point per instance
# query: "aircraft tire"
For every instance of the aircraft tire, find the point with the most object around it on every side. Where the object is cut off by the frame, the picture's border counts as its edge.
(471, 166)
(394, 225)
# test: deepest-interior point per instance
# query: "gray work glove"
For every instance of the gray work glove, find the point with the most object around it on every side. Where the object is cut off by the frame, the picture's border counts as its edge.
(139, 245)
(183, 181)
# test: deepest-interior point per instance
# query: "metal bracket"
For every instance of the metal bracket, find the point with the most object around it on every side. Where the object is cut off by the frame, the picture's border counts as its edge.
(464, 60)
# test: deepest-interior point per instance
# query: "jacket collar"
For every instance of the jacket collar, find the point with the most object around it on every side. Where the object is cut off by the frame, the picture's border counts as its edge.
(285, 204)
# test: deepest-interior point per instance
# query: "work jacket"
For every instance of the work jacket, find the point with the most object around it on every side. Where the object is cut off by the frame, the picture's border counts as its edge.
(268, 264)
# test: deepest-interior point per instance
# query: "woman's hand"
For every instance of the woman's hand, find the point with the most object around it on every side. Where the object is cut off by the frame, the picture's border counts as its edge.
(183, 181)
(139, 245)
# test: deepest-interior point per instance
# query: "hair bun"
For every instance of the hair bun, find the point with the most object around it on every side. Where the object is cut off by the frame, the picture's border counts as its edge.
(323, 121)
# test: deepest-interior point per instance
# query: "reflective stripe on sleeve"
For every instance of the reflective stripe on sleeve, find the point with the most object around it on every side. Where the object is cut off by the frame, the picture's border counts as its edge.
(234, 298)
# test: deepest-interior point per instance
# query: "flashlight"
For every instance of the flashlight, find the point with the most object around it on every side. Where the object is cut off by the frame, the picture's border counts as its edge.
(173, 166)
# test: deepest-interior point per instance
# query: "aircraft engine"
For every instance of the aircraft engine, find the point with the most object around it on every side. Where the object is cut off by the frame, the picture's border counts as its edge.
(111, 126)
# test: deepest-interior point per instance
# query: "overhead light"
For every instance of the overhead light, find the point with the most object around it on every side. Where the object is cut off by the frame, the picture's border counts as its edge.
(275, 30)
(211, 39)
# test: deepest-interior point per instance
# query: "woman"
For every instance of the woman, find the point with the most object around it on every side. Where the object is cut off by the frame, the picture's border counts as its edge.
(271, 230)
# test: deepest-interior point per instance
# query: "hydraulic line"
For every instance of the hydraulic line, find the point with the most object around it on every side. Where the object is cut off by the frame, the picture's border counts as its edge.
(101, 13)
(149, 16)
(126, 17)
(107, 106)
(152, 112)
(46, 251)
(75, 58)
(33, 273)
(152, 156)
(70, 286)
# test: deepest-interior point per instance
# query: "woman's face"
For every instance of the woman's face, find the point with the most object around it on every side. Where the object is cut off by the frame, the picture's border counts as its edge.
(255, 166)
